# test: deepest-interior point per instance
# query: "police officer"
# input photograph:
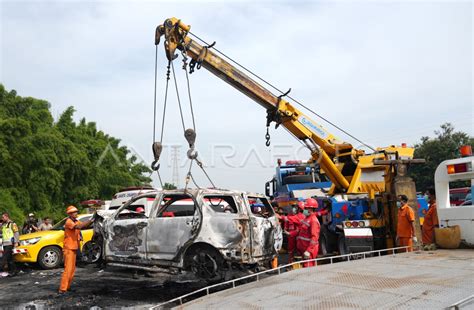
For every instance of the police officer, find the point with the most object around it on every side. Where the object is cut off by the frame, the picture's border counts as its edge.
(10, 239)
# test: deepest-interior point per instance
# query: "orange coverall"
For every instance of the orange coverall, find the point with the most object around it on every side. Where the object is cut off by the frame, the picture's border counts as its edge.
(405, 233)
(308, 238)
(431, 221)
(72, 237)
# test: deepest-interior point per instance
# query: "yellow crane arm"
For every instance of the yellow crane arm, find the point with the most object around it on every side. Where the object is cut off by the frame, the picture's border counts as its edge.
(337, 159)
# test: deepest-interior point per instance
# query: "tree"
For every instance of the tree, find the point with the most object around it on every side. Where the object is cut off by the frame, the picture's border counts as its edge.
(48, 165)
(169, 186)
(444, 146)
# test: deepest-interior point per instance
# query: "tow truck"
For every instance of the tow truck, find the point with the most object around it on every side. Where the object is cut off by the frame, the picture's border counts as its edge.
(365, 185)
(297, 180)
(451, 170)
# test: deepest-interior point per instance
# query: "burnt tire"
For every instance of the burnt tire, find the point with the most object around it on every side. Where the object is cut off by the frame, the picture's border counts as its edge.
(205, 263)
(50, 257)
(91, 252)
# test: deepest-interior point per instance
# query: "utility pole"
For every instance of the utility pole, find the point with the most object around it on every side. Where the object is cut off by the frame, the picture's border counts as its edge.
(175, 161)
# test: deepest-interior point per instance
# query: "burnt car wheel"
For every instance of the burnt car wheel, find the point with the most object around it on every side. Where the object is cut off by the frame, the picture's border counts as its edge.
(91, 252)
(204, 264)
(50, 257)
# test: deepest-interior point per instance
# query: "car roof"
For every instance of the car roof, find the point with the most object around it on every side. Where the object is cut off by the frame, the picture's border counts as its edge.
(209, 191)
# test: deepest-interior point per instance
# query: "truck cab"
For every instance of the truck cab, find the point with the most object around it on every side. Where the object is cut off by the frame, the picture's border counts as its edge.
(296, 180)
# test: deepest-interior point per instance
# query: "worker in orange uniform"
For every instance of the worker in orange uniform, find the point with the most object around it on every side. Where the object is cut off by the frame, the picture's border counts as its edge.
(72, 238)
(291, 225)
(431, 221)
(406, 223)
(307, 242)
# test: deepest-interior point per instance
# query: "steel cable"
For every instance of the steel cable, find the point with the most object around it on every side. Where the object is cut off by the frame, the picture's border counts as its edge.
(154, 95)
(165, 102)
(177, 96)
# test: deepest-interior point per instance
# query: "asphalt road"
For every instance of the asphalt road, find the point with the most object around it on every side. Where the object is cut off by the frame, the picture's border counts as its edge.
(34, 288)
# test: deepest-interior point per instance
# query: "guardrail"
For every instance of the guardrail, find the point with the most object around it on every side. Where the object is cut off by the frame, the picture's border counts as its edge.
(278, 270)
(468, 301)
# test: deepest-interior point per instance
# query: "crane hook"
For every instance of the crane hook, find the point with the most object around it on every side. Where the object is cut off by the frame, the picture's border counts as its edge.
(267, 136)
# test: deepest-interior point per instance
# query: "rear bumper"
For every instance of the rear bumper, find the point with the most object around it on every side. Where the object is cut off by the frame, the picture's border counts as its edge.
(22, 255)
(359, 239)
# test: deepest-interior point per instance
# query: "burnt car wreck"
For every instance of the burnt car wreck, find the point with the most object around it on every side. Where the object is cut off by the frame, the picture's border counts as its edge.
(206, 231)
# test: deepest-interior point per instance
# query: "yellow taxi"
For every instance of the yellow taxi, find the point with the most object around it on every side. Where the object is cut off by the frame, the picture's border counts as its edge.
(45, 247)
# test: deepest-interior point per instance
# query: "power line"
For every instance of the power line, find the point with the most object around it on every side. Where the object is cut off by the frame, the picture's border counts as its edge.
(175, 160)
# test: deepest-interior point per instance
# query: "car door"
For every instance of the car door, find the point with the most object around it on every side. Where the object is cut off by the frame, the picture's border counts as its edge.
(172, 226)
(225, 225)
(126, 234)
(265, 230)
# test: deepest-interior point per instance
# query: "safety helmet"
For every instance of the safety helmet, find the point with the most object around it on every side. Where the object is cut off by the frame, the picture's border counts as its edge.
(311, 203)
(31, 215)
(140, 210)
(301, 205)
(71, 209)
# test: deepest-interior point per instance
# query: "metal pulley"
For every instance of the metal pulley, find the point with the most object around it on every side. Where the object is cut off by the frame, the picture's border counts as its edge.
(157, 148)
(190, 136)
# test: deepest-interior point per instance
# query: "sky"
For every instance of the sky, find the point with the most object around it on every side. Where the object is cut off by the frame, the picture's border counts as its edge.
(387, 72)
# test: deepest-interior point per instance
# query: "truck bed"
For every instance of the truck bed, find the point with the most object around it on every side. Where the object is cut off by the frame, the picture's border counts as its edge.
(434, 280)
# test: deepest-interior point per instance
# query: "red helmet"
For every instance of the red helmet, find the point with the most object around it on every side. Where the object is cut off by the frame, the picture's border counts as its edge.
(301, 205)
(311, 203)
(140, 210)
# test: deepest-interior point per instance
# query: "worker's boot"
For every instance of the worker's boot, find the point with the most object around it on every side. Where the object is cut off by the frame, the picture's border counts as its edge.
(432, 247)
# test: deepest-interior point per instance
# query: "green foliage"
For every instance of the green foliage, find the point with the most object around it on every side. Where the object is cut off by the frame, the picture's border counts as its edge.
(169, 186)
(48, 165)
(444, 146)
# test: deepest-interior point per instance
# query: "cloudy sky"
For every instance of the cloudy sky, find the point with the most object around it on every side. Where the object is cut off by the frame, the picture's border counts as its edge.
(387, 72)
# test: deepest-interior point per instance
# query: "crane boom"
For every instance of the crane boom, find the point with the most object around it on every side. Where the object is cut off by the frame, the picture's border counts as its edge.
(342, 163)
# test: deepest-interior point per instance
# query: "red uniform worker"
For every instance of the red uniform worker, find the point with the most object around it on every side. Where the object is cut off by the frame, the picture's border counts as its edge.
(291, 224)
(307, 242)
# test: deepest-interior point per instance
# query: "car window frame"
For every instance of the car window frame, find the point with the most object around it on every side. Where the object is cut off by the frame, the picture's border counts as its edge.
(158, 208)
(130, 202)
(232, 196)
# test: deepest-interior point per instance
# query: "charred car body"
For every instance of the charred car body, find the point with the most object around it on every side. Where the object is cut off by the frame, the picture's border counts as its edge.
(207, 231)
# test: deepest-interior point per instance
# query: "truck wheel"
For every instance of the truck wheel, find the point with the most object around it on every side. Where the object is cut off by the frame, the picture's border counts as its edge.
(91, 252)
(341, 245)
(323, 246)
(50, 257)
